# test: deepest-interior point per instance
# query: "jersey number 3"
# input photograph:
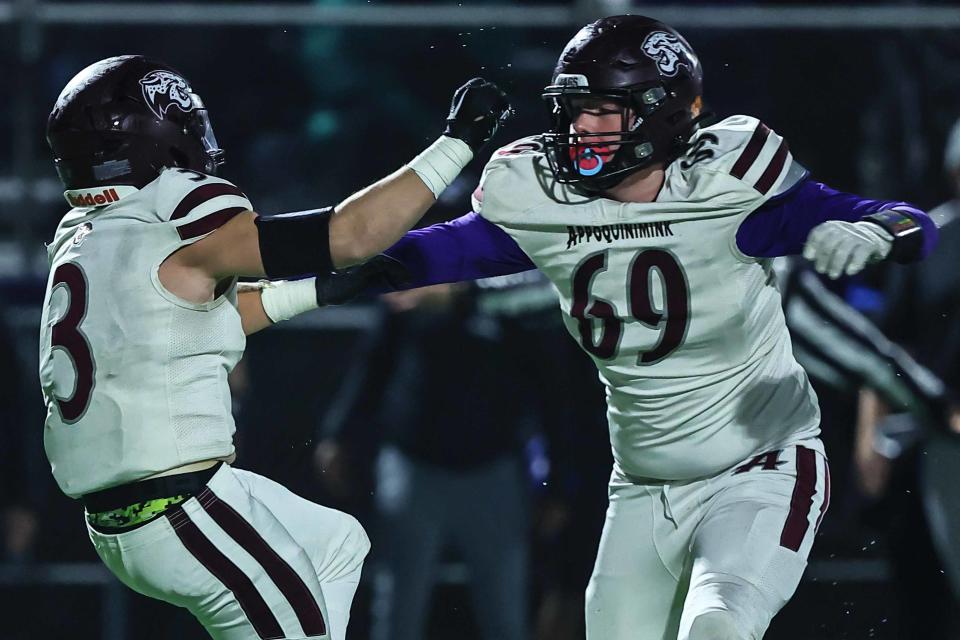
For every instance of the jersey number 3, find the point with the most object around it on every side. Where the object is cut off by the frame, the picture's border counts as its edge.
(671, 320)
(66, 334)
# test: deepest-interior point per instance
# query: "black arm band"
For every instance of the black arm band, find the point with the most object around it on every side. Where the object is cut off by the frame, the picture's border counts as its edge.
(295, 244)
(907, 234)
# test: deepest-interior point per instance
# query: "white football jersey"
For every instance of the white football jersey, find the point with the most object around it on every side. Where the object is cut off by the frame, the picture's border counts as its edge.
(135, 378)
(686, 331)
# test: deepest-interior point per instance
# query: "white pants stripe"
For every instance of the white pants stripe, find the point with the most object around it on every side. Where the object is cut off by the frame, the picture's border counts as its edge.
(244, 591)
(734, 545)
(250, 559)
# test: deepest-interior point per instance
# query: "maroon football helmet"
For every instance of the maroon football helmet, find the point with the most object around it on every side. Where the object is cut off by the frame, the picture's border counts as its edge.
(122, 120)
(649, 72)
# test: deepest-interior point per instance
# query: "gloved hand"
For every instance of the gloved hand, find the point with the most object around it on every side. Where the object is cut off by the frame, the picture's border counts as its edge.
(381, 273)
(838, 247)
(477, 110)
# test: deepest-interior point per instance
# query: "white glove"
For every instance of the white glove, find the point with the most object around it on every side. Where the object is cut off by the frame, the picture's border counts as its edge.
(838, 248)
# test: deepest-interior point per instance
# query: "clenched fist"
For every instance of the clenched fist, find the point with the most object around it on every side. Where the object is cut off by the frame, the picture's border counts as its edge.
(477, 110)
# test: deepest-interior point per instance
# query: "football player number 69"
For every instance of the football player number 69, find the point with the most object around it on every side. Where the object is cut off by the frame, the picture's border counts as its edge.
(66, 335)
(671, 321)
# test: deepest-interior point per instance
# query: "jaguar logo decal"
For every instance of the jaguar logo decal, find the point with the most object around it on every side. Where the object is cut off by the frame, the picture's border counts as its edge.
(665, 49)
(162, 90)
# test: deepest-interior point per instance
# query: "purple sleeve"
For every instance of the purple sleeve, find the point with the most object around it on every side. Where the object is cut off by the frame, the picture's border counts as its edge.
(780, 227)
(467, 248)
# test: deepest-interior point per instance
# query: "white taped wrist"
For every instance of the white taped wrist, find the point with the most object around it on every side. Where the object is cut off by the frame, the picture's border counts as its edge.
(440, 163)
(285, 299)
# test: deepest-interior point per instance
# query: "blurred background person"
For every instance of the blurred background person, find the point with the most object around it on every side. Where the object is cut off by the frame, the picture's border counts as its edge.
(441, 383)
(18, 518)
(892, 456)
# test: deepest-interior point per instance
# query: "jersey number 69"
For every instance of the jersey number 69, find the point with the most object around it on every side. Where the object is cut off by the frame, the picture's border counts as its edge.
(671, 320)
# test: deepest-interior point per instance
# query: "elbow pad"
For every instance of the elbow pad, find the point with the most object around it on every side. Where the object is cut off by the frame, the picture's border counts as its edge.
(906, 231)
(295, 244)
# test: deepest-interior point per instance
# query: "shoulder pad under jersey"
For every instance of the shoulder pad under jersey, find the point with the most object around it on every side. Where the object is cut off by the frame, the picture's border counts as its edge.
(513, 180)
(197, 203)
(748, 151)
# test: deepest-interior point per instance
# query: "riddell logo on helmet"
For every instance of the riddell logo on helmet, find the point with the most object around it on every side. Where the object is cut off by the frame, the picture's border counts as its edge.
(91, 199)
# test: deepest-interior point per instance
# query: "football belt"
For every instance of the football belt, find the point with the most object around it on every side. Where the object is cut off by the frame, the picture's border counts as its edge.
(135, 495)
(133, 515)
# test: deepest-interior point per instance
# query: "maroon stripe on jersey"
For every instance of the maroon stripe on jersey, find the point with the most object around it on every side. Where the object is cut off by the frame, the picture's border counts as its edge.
(773, 170)
(291, 585)
(751, 151)
(826, 495)
(249, 599)
(202, 194)
(206, 224)
(804, 488)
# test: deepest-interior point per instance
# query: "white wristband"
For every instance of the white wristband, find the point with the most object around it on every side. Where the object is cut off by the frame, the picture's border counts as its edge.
(440, 163)
(287, 298)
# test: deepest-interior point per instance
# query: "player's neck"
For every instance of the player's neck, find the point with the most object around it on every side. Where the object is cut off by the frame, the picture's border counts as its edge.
(642, 186)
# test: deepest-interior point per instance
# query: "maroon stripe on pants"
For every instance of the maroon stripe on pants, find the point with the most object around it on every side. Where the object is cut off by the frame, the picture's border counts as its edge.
(208, 223)
(751, 152)
(826, 495)
(249, 599)
(291, 585)
(773, 169)
(202, 194)
(803, 490)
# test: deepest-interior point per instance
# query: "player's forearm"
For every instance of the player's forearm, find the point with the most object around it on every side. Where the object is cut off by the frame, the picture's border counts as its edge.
(268, 302)
(371, 220)
(263, 304)
(253, 318)
(782, 227)
(870, 410)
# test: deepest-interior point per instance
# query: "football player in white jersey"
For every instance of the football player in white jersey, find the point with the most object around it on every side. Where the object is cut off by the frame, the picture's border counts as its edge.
(143, 321)
(658, 233)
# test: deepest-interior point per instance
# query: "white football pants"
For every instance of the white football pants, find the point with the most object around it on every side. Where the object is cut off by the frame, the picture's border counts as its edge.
(247, 557)
(710, 559)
